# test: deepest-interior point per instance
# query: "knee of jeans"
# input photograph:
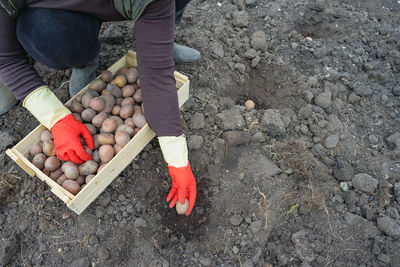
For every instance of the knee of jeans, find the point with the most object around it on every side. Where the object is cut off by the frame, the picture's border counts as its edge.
(58, 39)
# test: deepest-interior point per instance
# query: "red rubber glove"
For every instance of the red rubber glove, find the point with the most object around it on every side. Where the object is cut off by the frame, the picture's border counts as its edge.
(183, 186)
(66, 133)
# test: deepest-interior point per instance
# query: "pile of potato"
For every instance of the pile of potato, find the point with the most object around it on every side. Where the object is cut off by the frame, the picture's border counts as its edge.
(111, 110)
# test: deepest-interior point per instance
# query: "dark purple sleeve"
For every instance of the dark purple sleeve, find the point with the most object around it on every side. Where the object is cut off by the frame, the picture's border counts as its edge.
(154, 33)
(15, 70)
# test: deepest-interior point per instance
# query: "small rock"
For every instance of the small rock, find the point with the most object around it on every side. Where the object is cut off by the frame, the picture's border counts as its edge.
(393, 140)
(250, 53)
(258, 137)
(365, 182)
(140, 223)
(231, 119)
(365, 227)
(323, 100)
(8, 249)
(100, 211)
(344, 186)
(197, 121)
(81, 262)
(259, 40)
(235, 138)
(250, 3)
(236, 219)
(303, 247)
(6, 140)
(240, 67)
(235, 250)
(396, 90)
(331, 141)
(217, 50)
(273, 123)
(343, 171)
(305, 112)
(255, 61)
(195, 142)
(113, 34)
(255, 226)
(211, 108)
(373, 139)
(240, 19)
(350, 197)
(389, 226)
(384, 258)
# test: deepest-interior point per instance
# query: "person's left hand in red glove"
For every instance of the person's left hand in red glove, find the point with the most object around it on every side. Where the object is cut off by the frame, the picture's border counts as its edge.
(66, 130)
(175, 153)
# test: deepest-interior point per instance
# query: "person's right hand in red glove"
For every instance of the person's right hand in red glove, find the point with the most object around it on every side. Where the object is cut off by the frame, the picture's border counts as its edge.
(174, 149)
(66, 130)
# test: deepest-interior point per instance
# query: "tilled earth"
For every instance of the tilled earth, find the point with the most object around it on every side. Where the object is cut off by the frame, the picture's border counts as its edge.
(311, 177)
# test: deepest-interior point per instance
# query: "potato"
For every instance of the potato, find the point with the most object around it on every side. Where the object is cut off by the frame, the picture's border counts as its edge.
(52, 163)
(71, 171)
(97, 85)
(89, 178)
(118, 120)
(88, 114)
(137, 109)
(66, 164)
(131, 75)
(128, 90)
(126, 111)
(105, 139)
(129, 122)
(77, 117)
(122, 70)
(91, 128)
(110, 103)
(182, 208)
(80, 180)
(250, 105)
(122, 138)
(117, 148)
(78, 98)
(72, 186)
(106, 76)
(135, 131)
(118, 101)
(102, 165)
(125, 128)
(119, 80)
(46, 135)
(54, 175)
(95, 156)
(138, 96)
(97, 120)
(46, 171)
(109, 125)
(38, 160)
(48, 148)
(36, 149)
(76, 107)
(87, 149)
(115, 111)
(127, 101)
(86, 100)
(97, 103)
(139, 120)
(113, 90)
(89, 167)
(61, 179)
(138, 82)
(106, 153)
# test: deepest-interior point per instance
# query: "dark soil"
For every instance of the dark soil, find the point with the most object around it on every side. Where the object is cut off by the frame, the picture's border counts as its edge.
(311, 177)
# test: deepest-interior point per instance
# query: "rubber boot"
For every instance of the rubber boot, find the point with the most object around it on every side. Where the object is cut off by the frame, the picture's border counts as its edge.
(185, 55)
(80, 77)
(7, 99)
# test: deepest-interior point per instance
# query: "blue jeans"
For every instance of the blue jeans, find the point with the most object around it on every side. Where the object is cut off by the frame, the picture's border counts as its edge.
(62, 39)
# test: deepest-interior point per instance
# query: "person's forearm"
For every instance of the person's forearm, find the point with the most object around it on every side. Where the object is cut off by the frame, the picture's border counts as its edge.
(16, 73)
(154, 45)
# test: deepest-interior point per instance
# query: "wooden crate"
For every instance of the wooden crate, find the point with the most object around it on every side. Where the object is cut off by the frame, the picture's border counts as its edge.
(78, 203)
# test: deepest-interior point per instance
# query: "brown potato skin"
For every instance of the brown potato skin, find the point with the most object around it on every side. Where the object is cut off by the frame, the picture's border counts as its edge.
(76, 107)
(109, 125)
(91, 128)
(127, 101)
(77, 117)
(97, 103)
(128, 90)
(106, 153)
(120, 81)
(88, 114)
(72, 186)
(113, 90)
(129, 122)
(52, 163)
(36, 149)
(66, 164)
(125, 128)
(118, 120)
(48, 148)
(138, 96)
(61, 179)
(97, 85)
(115, 111)
(89, 178)
(122, 138)
(46, 135)
(132, 75)
(126, 111)
(97, 120)
(102, 165)
(137, 109)
(71, 171)
(86, 99)
(54, 175)
(39, 159)
(105, 139)
(139, 120)
(106, 76)
(80, 180)
(89, 167)
(110, 103)
(117, 148)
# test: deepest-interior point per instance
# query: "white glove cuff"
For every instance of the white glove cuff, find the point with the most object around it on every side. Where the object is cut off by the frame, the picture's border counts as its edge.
(174, 149)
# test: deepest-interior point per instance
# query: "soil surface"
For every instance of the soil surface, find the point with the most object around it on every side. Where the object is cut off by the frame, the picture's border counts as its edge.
(310, 177)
